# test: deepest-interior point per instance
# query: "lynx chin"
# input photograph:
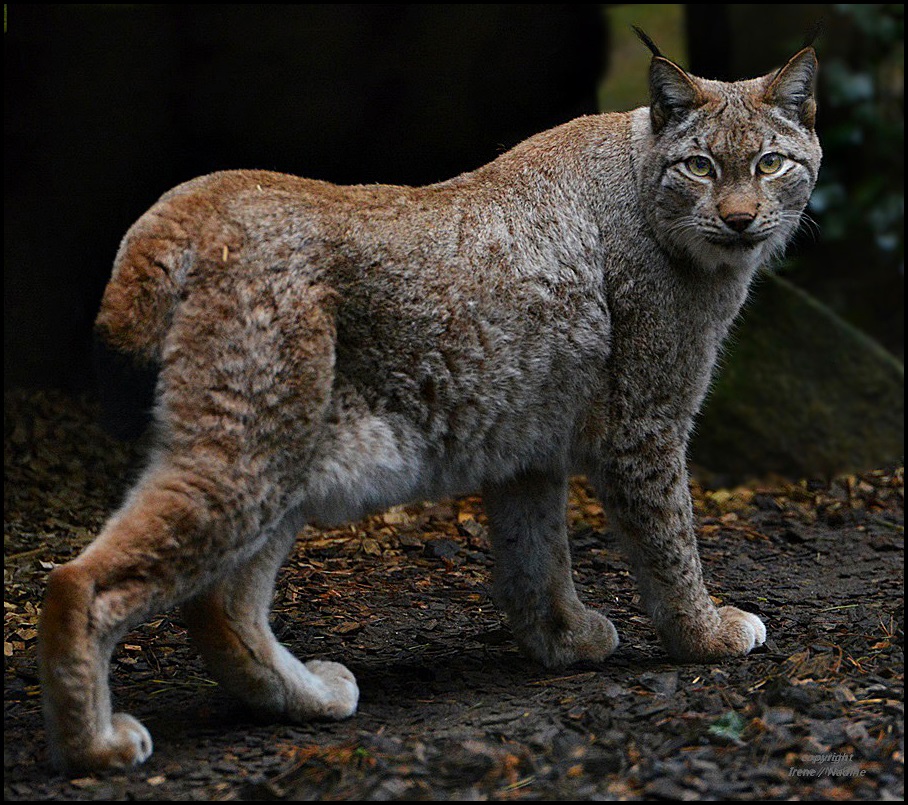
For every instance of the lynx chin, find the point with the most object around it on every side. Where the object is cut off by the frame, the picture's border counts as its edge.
(329, 351)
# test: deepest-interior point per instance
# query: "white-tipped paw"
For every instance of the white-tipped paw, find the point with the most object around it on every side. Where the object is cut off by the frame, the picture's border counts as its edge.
(124, 743)
(703, 639)
(740, 631)
(759, 630)
(129, 743)
(340, 693)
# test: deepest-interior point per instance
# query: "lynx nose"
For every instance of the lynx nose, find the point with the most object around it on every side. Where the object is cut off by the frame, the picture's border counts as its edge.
(739, 221)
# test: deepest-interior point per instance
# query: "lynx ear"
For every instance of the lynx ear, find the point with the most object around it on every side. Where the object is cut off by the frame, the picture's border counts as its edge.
(672, 92)
(792, 88)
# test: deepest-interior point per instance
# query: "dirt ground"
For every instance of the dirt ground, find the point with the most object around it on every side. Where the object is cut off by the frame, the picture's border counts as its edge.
(449, 709)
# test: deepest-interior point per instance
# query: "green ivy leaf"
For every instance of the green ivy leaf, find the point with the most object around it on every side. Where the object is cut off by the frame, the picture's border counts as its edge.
(729, 727)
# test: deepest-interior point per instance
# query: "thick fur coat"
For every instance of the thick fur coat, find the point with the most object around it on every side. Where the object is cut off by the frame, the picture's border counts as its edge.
(327, 351)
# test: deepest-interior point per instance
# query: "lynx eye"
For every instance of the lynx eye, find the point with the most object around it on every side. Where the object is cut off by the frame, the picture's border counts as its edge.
(770, 163)
(699, 165)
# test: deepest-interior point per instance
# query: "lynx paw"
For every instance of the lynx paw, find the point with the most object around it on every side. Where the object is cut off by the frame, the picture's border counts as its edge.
(131, 743)
(339, 694)
(125, 743)
(741, 631)
(736, 634)
(589, 637)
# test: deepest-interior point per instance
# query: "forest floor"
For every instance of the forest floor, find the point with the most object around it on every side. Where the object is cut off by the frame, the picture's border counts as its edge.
(449, 709)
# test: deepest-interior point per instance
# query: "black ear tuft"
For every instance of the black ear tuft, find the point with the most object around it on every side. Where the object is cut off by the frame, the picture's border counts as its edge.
(641, 34)
(813, 33)
(672, 92)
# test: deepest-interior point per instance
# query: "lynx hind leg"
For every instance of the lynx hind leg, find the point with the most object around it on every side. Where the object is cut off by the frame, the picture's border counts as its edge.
(74, 656)
(533, 582)
(176, 535)
(161, 545)
(229, 624)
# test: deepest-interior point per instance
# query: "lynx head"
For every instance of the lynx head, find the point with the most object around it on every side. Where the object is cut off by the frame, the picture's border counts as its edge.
(729, 167)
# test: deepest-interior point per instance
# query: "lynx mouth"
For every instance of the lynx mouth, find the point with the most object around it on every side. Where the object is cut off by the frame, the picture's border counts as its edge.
(743, 240)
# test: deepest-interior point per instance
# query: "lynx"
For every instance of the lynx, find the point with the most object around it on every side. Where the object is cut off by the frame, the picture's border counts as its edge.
(329, 351)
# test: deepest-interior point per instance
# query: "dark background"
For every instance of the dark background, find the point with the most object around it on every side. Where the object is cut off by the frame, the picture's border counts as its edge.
(108, 106)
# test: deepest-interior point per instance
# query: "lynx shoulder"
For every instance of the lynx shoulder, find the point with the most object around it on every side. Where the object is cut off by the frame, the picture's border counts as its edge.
(327, 351)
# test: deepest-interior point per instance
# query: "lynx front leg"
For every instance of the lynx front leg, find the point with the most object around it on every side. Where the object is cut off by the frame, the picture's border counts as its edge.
(229, 623)
(533, 582)
(646, 491)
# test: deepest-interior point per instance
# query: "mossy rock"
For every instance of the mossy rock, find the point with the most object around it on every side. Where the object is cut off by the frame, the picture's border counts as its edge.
(799, 392)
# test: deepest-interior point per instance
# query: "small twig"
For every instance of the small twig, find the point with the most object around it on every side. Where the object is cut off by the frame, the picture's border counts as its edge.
(887, 524)
(520, 783)
(563, 678)
(24, 554)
